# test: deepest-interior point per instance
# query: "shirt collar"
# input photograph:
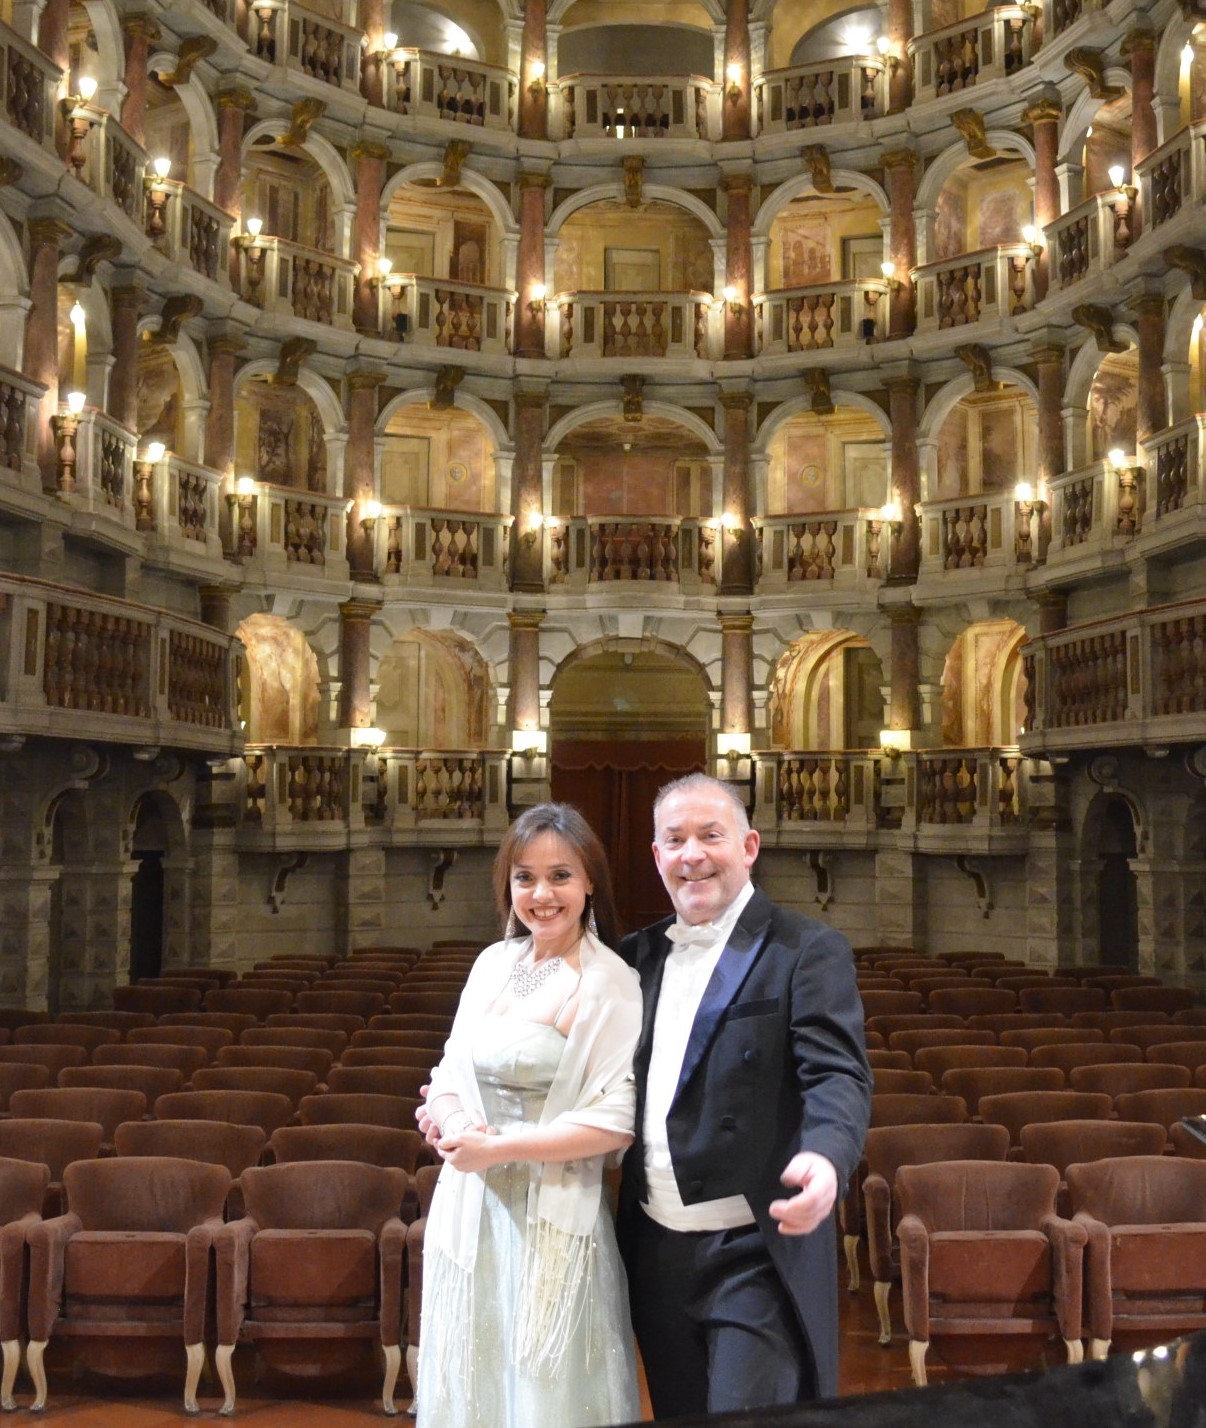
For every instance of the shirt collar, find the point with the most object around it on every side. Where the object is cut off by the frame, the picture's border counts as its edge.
(707, 934)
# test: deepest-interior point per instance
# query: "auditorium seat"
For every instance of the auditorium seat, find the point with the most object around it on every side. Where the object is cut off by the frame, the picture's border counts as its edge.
(324, 1021)
(912, 1021)
(1122, 1078)
(234, 1022)
(20, 1076)
(321, 1038)
(359, 1108)
(369, 1144)
(210, 1038)
(275, 1080)
(158, 1001)
(1190, 1054)
(437, 1003)
(939, 1059)
(188, 1060)
(1185, 1143)
(1066, 1057)
(54, 1058)
(151, 1081)
(1159, 1034)
(123, 1022)
(1165, 999)
(410, 1021)
(22, 1195)
(419, 1040)
(296, 1058)
(1161, 1108)
(266, 1109)
(972, 1001)
(383, 1080)
(65, 1034)
(1030, 1037)
(425, 1182)
(390, 1056)
(891, 1004)
(1016, 1109)
(1068, 1000)
(250, 1001)
(1072, 1142)
(54, 1144)
(888, 1082)
(1017, 1021)
(1109, 1021)
(972, 1082)
(103, 1105)
(913, 1041)
(362, 1004)
(889, 1060)
(901, 1109)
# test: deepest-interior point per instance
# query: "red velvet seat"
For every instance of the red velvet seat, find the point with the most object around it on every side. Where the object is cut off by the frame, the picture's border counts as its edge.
(321, 1038)
(105, 1106)
(211, 1039)
(1165, 999)
(1067, 1000)
(913, 1041)
(188, 1060)
(275, 1080)
(53, 1143)
(150, 1081)
(20, 1077)
(359, 1108)
(158, 1001)
(937, 1060)
(265, 1109)
(1017, 1109)
(123, 1022)
(54, 1058)
(324, 1021)
(1122, 1078)
(1162, 1108)
(1067, 1057)
(972, 1082)
(295, 1058)
(1030, 1037)
(66, 1034)
(380, 1080)
(22, 1194)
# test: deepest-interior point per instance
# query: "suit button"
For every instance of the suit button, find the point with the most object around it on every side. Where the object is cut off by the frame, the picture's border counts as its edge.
(695, 1187)
(728, 1122)
(749, 1057)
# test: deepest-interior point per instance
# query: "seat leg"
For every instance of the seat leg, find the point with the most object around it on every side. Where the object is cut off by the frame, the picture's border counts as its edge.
(883, 1290)
(1076, 1350)
(850, 1243)
(1099, 1348)
(412, 1373)
(194, 1355)
(917, 1353)
(226, 1376)
(34, 1355)
(12, 1362)
(393, 1365)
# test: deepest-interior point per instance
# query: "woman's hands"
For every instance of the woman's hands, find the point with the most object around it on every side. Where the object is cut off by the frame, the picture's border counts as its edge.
(472, 1148)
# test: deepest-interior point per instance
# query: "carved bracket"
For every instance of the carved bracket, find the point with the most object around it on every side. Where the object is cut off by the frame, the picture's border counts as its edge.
(817, 382)
(970, 123)
(818, 862)
(456, 151)
(306, 113)
(1090, 65)
(978, 361)
(442, 861)
(817, 158)
(192, 51)
(293, 353)
(980, 882)
(1099, 320)
(1191, 261)
(634, 402)
(447, 380)
(179, 309)
(290, 863)
(634, 180)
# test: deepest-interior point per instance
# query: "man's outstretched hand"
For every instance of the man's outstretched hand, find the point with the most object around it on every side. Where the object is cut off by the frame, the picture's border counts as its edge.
(816, 1185)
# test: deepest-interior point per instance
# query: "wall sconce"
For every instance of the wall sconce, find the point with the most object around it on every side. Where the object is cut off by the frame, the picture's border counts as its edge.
(1122, 206)
(536, 302)
(1027, 504)
(733, 75)
(894, 742)
(732, 298)
(157, 196)
(75, 109)
(367, 738)
(1117, 175)
(1129, 475)
(66, 427)
(144, 472)
(888, 270)
(371, 514)
(243, 499)
(887, 52)
(386, 277)
(529, 743)
(536, 85)
(1034, 237)
(892, 516)
(250, 236)
(735, 746)
(389, 42)
(88, 88)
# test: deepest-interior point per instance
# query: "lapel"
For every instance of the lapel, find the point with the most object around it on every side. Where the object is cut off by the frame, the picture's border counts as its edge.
(650, 968)
(743, 946)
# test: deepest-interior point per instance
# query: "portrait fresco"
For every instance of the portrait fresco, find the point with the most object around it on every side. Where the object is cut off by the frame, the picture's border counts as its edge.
(1113, 406)
(1000, 218)
(1000, 447)
(953, 450)
(950, 224)
(806, 257)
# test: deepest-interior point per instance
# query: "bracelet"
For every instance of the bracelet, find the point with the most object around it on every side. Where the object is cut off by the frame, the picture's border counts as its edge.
(451, 1116)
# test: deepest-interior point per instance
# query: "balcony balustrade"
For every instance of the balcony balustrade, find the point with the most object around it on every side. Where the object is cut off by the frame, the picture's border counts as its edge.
(972, 52)
(975, 532)
(19, 399)
(1089, 239)
(447, 87)
(608, 106)
(418, 546)
(1094, 510)
(28, 80)
(633, 324)
(825, 92)
(991, 285)
(279, 276)
(188, 229)
(96, 456)
(588, 552)
(436, 312)
(82, 666)
(840, 546)
(102, 155)
(289, 533)
(285, 33)
(819, 317)
(1176, 475)
(1172, 179)
(444, 790)
(179, 502)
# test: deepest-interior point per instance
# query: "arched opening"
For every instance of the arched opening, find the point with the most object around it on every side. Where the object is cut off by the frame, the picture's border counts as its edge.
(1113, 407)
(169, 133)
(622, 723)
(608, 246)
(826, 694)
(835, 462)
(609, 467)
(1108, 146)
(148, 849)
(984, 204)
(852, 32)
(661, 49)
(1117, 895)
(987, 444)
(433, 692)
(450, 233)
(1197, 366)
(423, 27)
(983, 703)
(160, 396)
(438, 459)
(279, 436)
(1191, 85)
(289, 192)
(278, 685)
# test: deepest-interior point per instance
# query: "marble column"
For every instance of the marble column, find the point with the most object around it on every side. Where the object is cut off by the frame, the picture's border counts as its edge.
(41, 352)
(219, 421)
(370, 176)
(523, 658)
(735, 108)
(529, 266)
(736, 533)
(1151, 415)
(737, 673)
(52, 32)
(233, 105)
(905, 555)
(1052, 611)
(372, 78)
(1140, 48)
(125, 305)
(355, 662)
(139, 32)
(739, 267)
(904, 706)
(527, 493)
(1051, 458)
(215, 606)
(533, 93)
(900, 31)
(359, 470)
(899, 166)
(1044, 115)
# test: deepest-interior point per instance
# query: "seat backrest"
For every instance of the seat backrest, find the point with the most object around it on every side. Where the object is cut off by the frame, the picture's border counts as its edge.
(259, 1004)
(328, 1021)
(888, 1082)
(364, 983)
(1139, 1189)
(890, 1147)
(52, 1143)
(278, 1079)
(1016, 1021)
(429, 1041)
(978, 1194)
(1068, 1000)
(1030, 1037)
(323, 1195)
(379, 1080)
(1109, 1021)
(1124, 1077)
(159, 1001)
(295, 1058)
(359, 1108)
(242, 1108)
(1160, 1107)
(410, 1021)
(1158, 1035)
(234, 1022)
(122, 1022)
(913, 1041)
(1016, 1109)
(215, 1142)
(22, 1189)
(891, 1003)
(54, 1058)
(1185, 1143)
(417, 1056)
(894, 1109)
(411, 999)
(319, 1037)
(972, 1082)
(1165, 999)
(939, 1059)
(1191, 1054)
(363, 1004)
(1066, 1057)
(104, 1105)
(211, 1039)
(1193, 1016)
(972, 1001)
(374, 1145)
(160, 1194)
(889, 1060)
(21, 1076)
(1064, 1143)
(185, 1059)
(151, 1081)
(65, 1034)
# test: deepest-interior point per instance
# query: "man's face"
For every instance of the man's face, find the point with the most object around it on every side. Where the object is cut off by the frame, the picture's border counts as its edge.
(701, 852)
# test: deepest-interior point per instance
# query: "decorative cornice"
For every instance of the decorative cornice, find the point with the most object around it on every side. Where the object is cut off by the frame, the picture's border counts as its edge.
(1043, 111)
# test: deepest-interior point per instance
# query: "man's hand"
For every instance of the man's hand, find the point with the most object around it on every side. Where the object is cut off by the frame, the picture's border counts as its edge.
(818, 1186)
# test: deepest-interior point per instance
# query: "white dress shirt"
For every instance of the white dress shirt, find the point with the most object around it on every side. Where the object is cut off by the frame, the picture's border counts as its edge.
(688, 970)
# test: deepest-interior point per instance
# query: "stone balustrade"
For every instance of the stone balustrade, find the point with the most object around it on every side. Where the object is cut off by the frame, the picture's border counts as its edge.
(290, 533)
(820, 316)
(436, 312)
(991, 46)
(279, 276)
(974, 532)
(1061, 15)
(419, 546)
(450, 88)
(188, 229)
(824, 92)
(992, 285)
(178, 501)
(29, 82)
(282, 32)
(843, 547)
(632, 324)
(1097, 508)
(609, 106)
(454, 791)
(82, 666)
(1176, 474)
(1172, 180)
(96, 467)
(19, 399)
(1089, 239)
(102, 155)
(587, 552)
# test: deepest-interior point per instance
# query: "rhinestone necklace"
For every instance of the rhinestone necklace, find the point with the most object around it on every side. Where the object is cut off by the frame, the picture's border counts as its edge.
(526, 980)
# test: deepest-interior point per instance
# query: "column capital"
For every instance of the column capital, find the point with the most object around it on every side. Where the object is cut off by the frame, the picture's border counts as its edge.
(1043, 111)
(128, 295)
(529, 180)
(735, 624)
(902, 382)
(370, 149)
(1138, 41)
(49, 231)
(365, 381)
(736, 183)
(529, 620)
(1147, 305)
(235, 99)
(358, 610)
(1043, 352)
(526, 399)
(899, 159)
(904, 613)
(141, 27)
(227, 344)
(735, 401)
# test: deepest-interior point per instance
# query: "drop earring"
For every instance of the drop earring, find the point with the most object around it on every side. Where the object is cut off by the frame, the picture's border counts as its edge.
(591, 925)
(512, 928)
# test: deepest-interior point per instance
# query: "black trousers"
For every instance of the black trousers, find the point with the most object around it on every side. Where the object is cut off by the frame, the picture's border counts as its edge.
(717, 1330)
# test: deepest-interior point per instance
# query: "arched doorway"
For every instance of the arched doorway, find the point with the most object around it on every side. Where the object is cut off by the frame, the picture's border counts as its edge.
(623, 723)
(147, 849)
(1117, 896)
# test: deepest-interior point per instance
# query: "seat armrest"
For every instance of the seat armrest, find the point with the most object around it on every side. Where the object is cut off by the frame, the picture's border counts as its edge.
(47, 1250)
(915, 1275)
(1099, 1310)
(232, 1244)
(877, 1212)
(13, 1239)
(392, 1250)
(1068, 1240)
(197, 1245)
(414, 1278)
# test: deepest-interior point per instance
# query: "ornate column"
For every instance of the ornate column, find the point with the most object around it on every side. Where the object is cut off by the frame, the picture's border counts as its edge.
(125, 301)
(1051, 459)
(219, 422)
(41, 360)
(215, 606)
(370, 175)
(905, 551)
(1152, 415)
(1052, 611)
(1044, 115)
(527, 492)
(355, 657)
(372, 22)
(739, 266)
(529, 265)
(533, 95)
(232, 104)
(52, 32)
(735, 109)
(359, 470)
(899, 166)
(523, 659)
(1140, 48)
(736, 534)
(900, 31)
(139, 32)
(737, 672)
(904, 706)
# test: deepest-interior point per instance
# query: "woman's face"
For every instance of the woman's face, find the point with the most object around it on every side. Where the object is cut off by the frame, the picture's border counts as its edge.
(549, 888)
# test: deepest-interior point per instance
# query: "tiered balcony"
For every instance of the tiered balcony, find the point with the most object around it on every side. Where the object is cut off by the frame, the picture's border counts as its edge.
(179, 502)
(188, 229)
(436, 312)
(989, 531)
(1095, 511)
(990, 286)
(96, 459)
(449, 88)
(1176, 478)
(102, 155)
(820, 317)
(284, 33)
(1089, 239)
(19, 399)
(973, 52)
(609, 106)
(1172, 181)
(825, 92)
(83, 666)
(29, 83)
(632, 324)
(846, 548)
(1137, 679)
(285, 533)
(589, 553)
(287, 278)
(415, 546)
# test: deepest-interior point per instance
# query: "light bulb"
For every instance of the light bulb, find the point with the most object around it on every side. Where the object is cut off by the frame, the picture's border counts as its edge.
(888, 270)
(729, 293)
(75, 402)
(537, 69)
(254, 226)
(1117, 175)
(154, 452)
(1117, 458)
(884, 46)
(539, 292)
(162, 166)
(1024, 492)
(384, 266)
(733, 74)
(77, 315)
(389, 40)
(88, 87)
(1030, 234)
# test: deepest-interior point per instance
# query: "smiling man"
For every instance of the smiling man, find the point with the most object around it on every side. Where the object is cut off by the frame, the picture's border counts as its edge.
(753, 1095)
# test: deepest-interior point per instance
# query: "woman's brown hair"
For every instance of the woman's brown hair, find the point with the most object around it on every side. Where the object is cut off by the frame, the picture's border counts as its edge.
(569, 825)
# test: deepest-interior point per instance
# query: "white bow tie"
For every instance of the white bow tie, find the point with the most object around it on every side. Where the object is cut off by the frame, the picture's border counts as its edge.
(684, 935)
